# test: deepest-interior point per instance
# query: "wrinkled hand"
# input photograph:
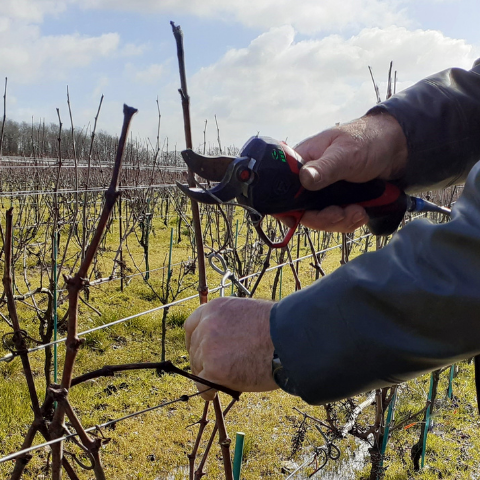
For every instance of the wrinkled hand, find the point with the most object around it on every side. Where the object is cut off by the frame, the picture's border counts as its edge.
(229, 343)
(373, 146)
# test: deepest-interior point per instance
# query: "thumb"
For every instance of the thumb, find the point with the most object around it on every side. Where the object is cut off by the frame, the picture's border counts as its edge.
(206, 392)
(335, 164)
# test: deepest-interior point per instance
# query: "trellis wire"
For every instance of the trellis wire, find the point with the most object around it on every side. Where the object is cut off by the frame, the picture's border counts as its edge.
(26, 193)
(9, 357)
(12, 456)
(167, 168)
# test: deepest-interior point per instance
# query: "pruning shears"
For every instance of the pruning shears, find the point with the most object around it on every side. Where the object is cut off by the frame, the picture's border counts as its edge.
(264, 179)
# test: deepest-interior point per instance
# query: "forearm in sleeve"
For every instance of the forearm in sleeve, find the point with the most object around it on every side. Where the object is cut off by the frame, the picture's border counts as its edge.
(440, 117)
(387, 316)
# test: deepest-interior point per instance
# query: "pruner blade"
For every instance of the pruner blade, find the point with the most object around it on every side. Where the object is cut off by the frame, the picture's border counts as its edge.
(209, 168)
(214, 196)
(226, 170)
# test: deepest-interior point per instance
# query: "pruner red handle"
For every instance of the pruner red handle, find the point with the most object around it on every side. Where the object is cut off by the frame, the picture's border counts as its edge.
(386, 211)
(295, 215)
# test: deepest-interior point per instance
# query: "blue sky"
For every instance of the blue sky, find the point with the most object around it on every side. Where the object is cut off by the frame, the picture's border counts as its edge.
(283, 68)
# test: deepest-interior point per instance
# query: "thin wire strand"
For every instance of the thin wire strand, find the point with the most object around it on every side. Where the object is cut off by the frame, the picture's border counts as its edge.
(26, 193)
(9, 357)
(183, 398)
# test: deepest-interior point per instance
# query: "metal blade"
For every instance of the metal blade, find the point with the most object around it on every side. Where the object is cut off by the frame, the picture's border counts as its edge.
(214, 196)
(210, 168)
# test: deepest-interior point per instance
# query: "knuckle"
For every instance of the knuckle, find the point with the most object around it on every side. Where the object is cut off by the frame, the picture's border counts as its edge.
(189, 325)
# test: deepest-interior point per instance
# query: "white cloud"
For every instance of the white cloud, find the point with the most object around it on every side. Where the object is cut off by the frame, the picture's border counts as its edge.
(132, 50)
(307, 16)
(276, 85)
(76, 49)
(28, 56)
(100, 86)
(31, 10)
(287, 88)
(151, 74)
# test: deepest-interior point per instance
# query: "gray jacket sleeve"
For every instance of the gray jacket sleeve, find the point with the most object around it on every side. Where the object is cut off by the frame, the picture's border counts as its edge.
(413, 306)
(390, 315)
(440, 117)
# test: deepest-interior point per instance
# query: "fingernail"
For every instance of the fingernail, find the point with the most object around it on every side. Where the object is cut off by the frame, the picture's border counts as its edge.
(310, 176)
(357, 218)
(337, 219)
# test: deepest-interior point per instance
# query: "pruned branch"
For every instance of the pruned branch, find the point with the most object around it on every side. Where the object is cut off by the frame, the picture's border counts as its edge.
(74, 286)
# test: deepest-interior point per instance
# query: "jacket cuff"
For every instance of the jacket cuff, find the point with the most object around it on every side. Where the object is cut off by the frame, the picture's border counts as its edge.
(282, 377)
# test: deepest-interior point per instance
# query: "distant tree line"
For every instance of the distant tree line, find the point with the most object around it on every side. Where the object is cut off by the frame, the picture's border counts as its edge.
(42, 140)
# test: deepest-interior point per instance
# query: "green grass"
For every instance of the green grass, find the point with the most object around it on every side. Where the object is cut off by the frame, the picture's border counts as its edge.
(154, 445)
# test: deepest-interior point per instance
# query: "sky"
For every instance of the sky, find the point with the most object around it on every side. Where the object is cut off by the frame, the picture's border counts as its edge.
(282, 68)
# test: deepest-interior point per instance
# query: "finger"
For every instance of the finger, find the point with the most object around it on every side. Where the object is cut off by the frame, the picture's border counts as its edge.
(208, 393)
(195, 365)
(336, 219)
(312, 148)
(196, 357)
(335, 164)
(191, 323)
(290, 222)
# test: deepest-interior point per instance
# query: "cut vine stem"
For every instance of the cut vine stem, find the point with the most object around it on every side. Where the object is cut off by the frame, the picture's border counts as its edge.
(74, 286)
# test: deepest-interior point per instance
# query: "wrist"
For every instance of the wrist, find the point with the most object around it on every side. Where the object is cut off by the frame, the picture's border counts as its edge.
(390, 142)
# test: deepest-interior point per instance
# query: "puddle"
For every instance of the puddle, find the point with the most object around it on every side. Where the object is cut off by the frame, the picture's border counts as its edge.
(176, 474)
(344, 469)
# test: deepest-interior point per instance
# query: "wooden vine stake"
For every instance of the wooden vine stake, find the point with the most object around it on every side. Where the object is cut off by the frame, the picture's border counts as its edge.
(202, 281)
(74, 286)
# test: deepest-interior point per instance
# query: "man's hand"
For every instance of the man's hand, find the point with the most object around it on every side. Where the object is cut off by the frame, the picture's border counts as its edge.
(229, 343)
(373, 146)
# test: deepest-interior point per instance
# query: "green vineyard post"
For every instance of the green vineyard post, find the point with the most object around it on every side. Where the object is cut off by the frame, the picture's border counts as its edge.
(166, 211)
(120, 232)
(238, 457)
(169, 273)
(280, 289)
(450, 382)
(55, 296)
(427, 420)
(297, 266)
(148, 218)
(236, 242)
(13, 269)
(391, 409)
(236, 235)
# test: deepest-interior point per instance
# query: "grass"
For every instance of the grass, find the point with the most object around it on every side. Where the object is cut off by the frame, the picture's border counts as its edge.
(154, 445)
